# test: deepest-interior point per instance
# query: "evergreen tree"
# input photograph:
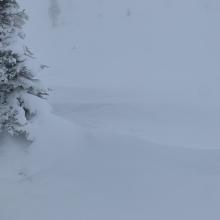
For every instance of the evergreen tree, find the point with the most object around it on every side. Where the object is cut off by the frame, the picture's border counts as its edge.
(54, 12)
(18, 85)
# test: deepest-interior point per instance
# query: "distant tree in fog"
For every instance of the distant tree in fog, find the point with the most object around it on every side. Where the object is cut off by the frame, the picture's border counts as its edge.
(54, 12)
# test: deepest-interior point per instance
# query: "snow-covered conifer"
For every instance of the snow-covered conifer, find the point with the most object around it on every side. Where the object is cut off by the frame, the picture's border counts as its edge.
(19, 88)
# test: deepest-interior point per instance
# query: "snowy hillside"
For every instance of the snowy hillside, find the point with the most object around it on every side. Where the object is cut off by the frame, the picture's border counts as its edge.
(134, 128)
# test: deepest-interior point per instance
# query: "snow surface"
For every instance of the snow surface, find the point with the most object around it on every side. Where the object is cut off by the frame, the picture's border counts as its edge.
(133, 132)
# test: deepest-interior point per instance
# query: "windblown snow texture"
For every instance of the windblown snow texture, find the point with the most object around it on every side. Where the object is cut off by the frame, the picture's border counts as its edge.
(134, 132)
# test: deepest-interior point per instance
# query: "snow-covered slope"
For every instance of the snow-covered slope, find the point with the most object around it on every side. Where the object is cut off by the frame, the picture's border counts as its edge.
(84, 170)
(165, 121)
(134, 134)
(100, 175)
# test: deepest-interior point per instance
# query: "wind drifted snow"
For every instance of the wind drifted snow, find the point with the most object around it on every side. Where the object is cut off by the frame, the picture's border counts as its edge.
(133, 128)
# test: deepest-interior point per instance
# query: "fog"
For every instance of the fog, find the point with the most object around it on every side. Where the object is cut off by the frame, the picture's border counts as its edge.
(132, 126)
(161, 47)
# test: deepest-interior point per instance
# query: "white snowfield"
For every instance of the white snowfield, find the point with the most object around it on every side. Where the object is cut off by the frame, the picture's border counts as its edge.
(134, 128)
(102, 168)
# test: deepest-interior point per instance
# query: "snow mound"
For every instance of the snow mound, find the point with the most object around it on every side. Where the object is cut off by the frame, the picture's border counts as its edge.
(71, 173)
(53, 136)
